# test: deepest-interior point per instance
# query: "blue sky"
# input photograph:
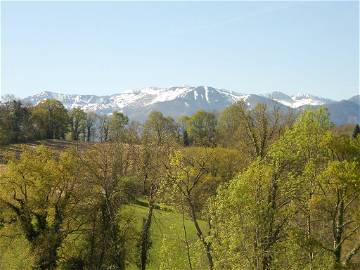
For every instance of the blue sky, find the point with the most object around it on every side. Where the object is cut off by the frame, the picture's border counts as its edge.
(251, 47)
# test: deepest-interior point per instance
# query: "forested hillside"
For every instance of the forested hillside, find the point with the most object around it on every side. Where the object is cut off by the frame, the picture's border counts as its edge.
(243, 189)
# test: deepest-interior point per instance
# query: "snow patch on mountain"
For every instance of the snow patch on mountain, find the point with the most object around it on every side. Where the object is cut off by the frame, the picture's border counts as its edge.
(297, 100)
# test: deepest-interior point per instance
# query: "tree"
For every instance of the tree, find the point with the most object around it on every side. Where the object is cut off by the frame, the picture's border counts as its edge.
(15, 125)
(160, 129)
(90, 122)
(269, 203)
(201, 128)
(193, 176)
(50, 119)
(117, 124)
(151, 164)
(108, 166)
(251, 130)
(104, 127)
(337, 203)
(45, 192)
(301, 152)
(77, 123)
(186, 140)
(356, 131)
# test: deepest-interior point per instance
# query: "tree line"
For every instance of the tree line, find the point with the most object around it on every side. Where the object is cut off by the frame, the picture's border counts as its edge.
(49, 119)
(263, 189)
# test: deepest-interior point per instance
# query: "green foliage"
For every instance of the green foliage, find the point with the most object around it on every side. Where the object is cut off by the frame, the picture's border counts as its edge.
(50, 119)
(117, 124)
(167, 235)
(251, 130)
(201, 128)
(77, 123)
(160, 130)
(356, 131)
(43, 191)
(276, 195)
(294, 200)
(15, 125)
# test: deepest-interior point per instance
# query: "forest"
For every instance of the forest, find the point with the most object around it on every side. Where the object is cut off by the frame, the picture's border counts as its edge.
(245, 188)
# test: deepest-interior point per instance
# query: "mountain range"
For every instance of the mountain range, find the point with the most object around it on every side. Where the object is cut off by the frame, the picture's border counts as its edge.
(177, 101)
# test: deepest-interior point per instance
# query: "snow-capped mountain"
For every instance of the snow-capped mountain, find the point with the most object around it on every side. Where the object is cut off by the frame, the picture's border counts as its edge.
(177, 101)
(298, 100)
(138, 103)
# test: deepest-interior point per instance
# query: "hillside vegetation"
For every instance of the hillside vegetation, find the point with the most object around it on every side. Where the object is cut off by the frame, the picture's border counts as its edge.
(245, 189)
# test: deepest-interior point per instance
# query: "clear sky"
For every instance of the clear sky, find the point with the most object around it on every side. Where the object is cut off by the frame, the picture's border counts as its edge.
(250, 47)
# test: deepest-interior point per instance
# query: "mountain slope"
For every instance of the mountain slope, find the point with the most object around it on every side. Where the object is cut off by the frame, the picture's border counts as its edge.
(355, 99)
(298, 100)
(177, 101)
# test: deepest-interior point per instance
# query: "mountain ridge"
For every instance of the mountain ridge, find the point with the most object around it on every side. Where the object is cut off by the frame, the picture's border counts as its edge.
(185, 100)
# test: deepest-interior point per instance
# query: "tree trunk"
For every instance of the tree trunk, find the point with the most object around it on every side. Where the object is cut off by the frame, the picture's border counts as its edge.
(88, 134)
(338, 230)
(186, 241)
(47, 259)
(207, 245)
(145, 242)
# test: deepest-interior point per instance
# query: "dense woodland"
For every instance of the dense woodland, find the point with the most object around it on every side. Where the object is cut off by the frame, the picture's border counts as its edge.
(240, 189)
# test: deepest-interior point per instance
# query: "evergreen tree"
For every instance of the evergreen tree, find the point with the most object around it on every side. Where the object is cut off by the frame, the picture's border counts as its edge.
(186, 140)
(356, 131)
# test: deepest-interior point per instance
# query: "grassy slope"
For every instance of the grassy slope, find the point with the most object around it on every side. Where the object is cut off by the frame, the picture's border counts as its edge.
(168, 249)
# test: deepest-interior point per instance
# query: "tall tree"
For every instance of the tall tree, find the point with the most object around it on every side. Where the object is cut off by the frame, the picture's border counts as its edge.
(160, 129)
(45, 192)
(77, 123)
(15, 124)
(90, 122)
(107, 166)
(151, 164)
(193, 176)
(356, 131)
(201, 128)
(104, 127)
(251, 130)
(270, 202)
(336, 201)
(50, 119)
(117, 124)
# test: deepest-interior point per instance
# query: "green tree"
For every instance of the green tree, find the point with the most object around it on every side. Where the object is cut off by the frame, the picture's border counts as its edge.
(336, 204)
(159, 129)
(108, 166)
(150, 169)
(117, 125)
(50, 119)
(251, 130)
(193, 176)
(77, 123)
(270, 202)
(104, 128)
(90, 122)
(45, 192)
(201, 128)
(15, 124)
(356, 131)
